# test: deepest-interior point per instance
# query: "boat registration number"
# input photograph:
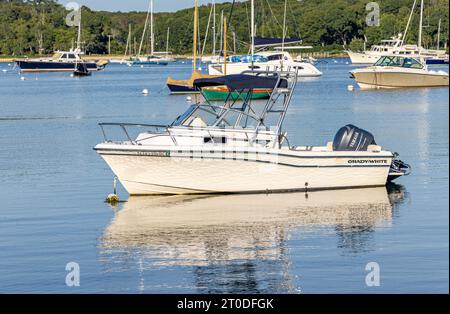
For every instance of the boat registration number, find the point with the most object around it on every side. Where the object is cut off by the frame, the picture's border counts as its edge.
(154, 154)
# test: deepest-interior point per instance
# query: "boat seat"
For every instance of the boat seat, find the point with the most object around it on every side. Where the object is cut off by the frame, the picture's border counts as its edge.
(198, 123)
(374, 148)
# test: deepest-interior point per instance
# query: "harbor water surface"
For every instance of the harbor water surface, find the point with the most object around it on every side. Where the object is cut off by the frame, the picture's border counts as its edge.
(53, 186)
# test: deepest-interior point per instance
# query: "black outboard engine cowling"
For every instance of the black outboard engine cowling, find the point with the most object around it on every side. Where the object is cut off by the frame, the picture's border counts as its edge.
(352, 138)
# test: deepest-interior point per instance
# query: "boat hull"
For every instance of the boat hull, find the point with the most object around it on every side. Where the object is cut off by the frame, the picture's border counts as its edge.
(435, 61)
(148, 63)
(182, 89)
(46, 66)
(303, 69)
(376, 79)
(186, 171)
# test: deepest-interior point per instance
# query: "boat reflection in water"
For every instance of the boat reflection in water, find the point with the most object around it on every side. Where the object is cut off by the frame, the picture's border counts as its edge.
(232, 237)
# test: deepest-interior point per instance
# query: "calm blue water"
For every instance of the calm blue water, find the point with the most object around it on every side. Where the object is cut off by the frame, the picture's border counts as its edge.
(53, 185)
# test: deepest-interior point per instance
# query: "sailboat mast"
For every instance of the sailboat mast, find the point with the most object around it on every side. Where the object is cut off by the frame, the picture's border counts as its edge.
(284, 26)
(214, 27)
(420, 26)
(221, 30)
(253, 28)
(79, 32)
(225, 45)
(152, 35)
(167, 41)
(439, 35)
(128, 40)
(195, 34)
(409, 22)
(145, 28)
(207, 31)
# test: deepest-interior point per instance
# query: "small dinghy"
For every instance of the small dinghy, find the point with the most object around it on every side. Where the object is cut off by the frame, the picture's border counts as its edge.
(81, 70)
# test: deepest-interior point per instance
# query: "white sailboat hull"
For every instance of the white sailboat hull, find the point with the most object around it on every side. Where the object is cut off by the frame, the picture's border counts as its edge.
(144, 171)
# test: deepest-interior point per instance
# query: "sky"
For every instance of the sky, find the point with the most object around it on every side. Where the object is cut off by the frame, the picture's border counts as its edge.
(138, 5)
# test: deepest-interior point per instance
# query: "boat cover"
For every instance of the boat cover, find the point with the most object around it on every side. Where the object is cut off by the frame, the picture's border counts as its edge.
(267, 42)
(240, 82)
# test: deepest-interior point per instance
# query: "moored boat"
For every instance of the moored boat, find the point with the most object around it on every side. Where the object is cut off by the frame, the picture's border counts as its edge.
(241, 147)
(399, 72)
(61, 61)
(81, 70)
(187, 86)
(397, 46)
(222, 93)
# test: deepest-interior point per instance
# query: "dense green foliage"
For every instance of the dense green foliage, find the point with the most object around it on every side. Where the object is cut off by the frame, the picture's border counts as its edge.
(30, 27)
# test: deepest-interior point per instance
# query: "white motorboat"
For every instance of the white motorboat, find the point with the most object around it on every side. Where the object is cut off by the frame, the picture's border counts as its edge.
(272, 61)
(397, 46)
(240, 147)
(397, 72)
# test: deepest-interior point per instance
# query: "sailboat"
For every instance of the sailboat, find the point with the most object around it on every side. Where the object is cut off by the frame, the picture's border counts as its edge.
(187, 86)
(61, 61)
(127, 47)
(277, 60)
(152, 59)
(222, 92)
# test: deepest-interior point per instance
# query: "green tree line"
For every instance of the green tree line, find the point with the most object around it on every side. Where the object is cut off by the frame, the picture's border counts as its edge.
(33, 27)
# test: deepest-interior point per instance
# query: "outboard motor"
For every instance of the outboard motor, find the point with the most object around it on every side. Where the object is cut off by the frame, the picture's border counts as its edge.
(352, 138)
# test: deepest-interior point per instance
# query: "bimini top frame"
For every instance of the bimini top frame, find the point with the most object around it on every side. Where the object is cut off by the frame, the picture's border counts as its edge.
(236, 113)
(282, 85)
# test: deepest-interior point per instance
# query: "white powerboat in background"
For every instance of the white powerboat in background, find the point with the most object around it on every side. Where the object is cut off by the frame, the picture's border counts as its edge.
(396, 72)
(240, 147)
(397, 46)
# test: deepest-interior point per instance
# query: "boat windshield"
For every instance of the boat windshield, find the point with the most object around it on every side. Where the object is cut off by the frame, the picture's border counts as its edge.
(402, 62)
(198, 116)
(215, 116)
(247, 59)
